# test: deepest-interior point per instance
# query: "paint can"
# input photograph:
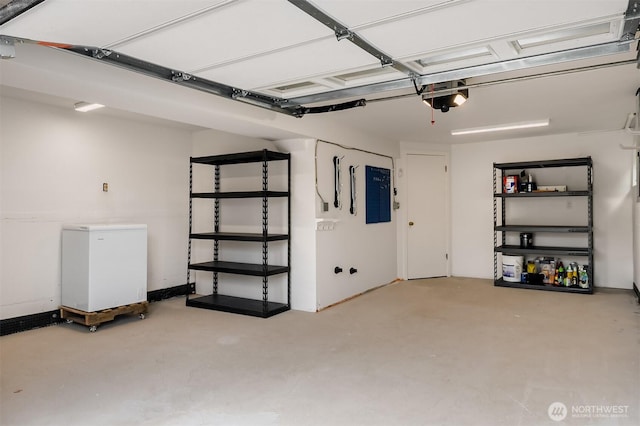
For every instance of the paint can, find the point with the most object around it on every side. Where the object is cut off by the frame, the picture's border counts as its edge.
(512, 268)
(510, 184)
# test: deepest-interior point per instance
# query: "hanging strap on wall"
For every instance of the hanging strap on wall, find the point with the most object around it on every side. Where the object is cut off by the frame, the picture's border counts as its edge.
(352, 184)
(337, 202)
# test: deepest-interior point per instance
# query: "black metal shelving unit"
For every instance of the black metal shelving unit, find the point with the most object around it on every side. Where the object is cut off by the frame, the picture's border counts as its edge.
(499, 197)
(254, 307)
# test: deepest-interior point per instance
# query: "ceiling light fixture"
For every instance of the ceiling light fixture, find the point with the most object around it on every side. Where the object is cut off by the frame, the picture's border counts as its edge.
(86, 106)
(460, 98)
(501, 127)
(454, 97)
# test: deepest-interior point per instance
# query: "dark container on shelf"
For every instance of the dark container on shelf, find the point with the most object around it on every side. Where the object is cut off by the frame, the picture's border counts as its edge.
(526, 240)
(537, 279)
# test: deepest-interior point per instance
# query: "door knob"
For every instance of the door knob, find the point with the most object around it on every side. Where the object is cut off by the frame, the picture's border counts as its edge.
(410, 223)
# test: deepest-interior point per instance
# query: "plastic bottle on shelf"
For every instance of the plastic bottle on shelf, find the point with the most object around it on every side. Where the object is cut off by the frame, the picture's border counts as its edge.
(569, 276)
(575, 278)
(559, 278)
(584, 277)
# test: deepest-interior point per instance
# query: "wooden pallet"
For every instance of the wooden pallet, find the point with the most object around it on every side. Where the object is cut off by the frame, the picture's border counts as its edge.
(94, 319)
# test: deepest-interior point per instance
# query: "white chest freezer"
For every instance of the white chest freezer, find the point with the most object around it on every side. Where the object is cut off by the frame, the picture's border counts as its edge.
(103, 266)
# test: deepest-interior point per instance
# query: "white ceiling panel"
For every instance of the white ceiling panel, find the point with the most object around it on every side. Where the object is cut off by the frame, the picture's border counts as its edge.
(97, 22)
(355, 13)
(526, 44)
(569, 38)
(483, 20)
(324, 57)
(343, 79)
(276, 48)
(239, 30)
(452, 59)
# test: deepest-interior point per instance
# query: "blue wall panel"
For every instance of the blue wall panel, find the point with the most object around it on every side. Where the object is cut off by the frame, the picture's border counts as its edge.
(378, 194)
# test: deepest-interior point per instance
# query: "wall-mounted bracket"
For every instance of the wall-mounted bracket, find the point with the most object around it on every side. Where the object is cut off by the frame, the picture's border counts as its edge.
(7, 48)
(343, 33)
(101, 53)
(238, 93)
(385, 61)
(180, 76)
(631, 21)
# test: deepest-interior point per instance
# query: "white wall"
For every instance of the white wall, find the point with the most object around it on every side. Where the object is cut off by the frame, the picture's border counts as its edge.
(55, 73)
(369, 248)
(472, 208)
(303, 234)
(54, 161)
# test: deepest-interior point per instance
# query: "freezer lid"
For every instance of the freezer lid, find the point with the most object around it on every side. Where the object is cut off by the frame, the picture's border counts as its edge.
(105, 227)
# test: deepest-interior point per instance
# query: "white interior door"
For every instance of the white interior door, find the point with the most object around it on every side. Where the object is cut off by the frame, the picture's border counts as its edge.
(427, 226)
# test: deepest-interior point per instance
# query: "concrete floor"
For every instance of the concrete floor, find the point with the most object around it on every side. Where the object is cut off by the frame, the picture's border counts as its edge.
(427, 352)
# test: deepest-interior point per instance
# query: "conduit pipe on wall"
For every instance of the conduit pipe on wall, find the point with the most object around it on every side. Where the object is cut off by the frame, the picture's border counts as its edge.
(349, 148)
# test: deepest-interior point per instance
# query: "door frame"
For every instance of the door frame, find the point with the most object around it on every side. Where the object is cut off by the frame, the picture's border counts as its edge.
(402, 229)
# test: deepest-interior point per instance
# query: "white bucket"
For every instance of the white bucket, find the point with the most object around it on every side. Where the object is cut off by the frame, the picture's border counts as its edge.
(512, 268)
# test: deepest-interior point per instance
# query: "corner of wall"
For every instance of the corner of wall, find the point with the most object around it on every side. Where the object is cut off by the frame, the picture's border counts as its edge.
(636, 215)
(303, 235)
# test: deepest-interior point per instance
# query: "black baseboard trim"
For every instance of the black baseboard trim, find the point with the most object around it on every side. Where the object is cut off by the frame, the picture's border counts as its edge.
(28, 322)
(167, 293)
(635, 289)
(44, 319)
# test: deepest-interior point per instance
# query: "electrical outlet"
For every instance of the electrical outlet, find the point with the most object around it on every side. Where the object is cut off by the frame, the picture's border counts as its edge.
(396, 205)
(105, 187)
(325, 224)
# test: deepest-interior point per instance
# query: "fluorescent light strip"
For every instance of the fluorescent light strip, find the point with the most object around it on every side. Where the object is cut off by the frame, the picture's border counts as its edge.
(85, 106)
(501, 127)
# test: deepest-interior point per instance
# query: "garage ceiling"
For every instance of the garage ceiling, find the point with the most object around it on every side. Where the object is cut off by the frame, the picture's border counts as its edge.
(296, 53)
